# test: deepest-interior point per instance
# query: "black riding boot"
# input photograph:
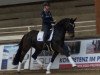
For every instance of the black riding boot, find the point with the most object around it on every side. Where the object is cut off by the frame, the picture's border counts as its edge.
(46, 35)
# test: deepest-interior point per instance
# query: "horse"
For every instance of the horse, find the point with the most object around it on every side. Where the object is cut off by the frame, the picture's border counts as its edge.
(56, 44)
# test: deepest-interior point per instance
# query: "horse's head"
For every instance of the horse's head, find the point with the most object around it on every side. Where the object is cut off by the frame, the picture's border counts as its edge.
(70, 26)
(66, 25)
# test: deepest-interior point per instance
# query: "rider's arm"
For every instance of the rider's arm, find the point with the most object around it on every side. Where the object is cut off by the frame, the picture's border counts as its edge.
(43, 16)
(51, 18)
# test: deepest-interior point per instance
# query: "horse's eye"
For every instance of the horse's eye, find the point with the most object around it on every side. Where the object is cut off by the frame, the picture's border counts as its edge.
(73, 24)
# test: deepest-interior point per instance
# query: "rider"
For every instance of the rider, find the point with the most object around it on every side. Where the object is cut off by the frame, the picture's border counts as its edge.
(47, 21)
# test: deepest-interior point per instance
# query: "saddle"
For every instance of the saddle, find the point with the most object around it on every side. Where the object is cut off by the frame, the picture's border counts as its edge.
(41, 33)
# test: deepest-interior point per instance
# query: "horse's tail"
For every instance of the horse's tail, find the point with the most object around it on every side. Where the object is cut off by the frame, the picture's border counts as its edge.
(17, 56)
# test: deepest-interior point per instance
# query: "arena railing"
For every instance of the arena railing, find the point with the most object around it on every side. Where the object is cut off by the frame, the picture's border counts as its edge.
(24, 29)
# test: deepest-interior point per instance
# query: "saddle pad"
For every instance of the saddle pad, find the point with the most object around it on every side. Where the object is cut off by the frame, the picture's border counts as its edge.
(41, 33)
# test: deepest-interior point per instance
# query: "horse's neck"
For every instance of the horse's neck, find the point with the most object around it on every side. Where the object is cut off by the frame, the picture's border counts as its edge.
(59, 34)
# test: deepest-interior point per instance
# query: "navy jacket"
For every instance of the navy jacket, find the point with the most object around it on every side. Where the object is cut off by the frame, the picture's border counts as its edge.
(46, 19)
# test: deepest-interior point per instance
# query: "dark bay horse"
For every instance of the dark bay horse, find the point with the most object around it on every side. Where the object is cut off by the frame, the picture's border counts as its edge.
(56, 44)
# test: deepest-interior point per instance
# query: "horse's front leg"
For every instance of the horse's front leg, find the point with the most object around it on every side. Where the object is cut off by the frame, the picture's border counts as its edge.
(35, 55)
(52, 60)
(72, 61)
(66, 50)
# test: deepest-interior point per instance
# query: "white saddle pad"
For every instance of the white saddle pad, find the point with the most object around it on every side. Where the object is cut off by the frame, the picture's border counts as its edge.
(41, 33)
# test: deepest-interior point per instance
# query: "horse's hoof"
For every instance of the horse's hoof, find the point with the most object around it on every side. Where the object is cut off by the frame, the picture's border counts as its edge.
(41, 67)
(48, 72)
(75, 67)
(18, 72)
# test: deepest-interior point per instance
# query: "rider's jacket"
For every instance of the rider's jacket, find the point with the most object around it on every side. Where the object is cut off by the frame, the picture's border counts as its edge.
(46, 19)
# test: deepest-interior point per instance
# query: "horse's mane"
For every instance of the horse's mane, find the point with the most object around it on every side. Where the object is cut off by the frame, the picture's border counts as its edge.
(61, 23)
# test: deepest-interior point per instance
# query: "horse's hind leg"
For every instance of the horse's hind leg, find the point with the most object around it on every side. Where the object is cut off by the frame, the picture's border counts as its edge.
(25, 49)
(34, 56)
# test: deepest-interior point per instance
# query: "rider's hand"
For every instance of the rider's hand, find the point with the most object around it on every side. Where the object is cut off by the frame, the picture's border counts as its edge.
(53, 21)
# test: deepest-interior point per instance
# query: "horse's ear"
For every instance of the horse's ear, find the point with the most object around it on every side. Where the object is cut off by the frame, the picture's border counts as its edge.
(74, 19)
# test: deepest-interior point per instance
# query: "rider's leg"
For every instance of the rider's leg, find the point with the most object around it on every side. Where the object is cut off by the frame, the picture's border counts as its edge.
(46, 34)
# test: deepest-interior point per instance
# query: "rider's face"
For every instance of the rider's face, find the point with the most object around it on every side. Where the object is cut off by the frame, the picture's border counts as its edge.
(46, 8)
